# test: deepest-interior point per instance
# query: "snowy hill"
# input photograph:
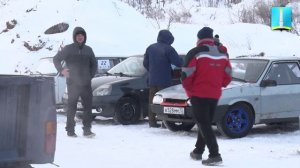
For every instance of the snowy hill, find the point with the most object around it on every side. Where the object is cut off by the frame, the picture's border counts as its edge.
(114, 28)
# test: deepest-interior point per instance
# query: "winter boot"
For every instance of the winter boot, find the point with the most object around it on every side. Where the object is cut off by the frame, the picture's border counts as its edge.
(196, 154)
(153, 121)
(71, 134)
(163, 125)
(212, 161)
(88, 133)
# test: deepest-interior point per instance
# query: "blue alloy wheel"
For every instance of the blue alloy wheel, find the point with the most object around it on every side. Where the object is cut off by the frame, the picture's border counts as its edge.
(237, 121)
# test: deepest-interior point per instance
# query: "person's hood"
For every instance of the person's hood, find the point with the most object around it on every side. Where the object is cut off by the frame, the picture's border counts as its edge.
(78, 30)
(165, 36)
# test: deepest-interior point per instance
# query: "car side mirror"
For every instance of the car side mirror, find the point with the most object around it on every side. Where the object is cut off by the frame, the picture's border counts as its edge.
(266, 83)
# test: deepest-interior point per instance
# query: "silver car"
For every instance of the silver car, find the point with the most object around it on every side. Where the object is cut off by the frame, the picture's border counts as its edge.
(263, 90)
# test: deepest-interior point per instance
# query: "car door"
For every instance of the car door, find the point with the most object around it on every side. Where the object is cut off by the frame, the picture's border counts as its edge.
(282, 100)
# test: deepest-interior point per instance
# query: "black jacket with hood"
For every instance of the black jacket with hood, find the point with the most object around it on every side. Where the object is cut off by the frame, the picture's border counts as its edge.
(79, 59)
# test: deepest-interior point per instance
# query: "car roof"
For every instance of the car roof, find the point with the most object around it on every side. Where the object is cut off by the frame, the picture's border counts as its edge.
(269, 58)
(107, 56)
(136, 56)
(98, 57)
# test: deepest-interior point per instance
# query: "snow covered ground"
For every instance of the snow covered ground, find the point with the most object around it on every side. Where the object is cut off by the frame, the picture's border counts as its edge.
(114, 28)
(133, 146)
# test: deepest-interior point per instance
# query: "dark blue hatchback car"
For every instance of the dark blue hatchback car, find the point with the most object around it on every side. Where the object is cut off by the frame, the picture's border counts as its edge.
(123, 93)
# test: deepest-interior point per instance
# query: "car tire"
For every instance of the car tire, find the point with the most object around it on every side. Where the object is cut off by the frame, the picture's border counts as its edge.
(127, 111)
(237, 121)
(178, 126)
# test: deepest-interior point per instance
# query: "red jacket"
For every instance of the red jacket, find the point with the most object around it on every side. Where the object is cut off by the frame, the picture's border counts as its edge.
(206, 70)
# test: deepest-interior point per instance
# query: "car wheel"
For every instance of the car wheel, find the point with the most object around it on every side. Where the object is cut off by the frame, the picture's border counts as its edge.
(179, 126)
(127, 111)
(237, 121)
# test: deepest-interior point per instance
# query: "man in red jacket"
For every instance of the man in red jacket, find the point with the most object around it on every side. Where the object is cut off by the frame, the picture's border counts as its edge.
(205, 71)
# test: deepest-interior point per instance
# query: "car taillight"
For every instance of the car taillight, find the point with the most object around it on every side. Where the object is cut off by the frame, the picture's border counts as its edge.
(50, 137)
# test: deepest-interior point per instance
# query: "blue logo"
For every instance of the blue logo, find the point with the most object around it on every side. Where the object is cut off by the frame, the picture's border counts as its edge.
(281, 18)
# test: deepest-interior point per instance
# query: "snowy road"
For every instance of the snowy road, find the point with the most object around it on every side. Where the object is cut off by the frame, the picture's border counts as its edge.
(133, 146)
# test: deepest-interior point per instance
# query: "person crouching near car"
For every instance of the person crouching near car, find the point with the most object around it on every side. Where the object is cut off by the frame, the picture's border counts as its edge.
(205, 71)
(81, 67)
(158, 59)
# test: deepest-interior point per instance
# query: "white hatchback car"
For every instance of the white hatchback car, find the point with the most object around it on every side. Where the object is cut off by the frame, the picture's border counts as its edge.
(263, 90)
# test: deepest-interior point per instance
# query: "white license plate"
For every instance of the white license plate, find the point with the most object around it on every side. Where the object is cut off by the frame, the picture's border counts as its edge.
(174, 110)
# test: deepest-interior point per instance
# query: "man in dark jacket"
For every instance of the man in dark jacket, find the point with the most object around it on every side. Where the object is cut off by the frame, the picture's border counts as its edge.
(81, 66)
(205, 71)
(158, 60)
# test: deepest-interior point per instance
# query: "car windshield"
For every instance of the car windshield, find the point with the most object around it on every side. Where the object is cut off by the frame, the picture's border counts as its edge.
(247, 70)
(45, 66)
(104, 64)
(132, 66)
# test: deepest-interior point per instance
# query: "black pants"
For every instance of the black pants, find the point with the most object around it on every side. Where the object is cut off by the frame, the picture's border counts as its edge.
(204, 110)
(151, 115)
(74, 92)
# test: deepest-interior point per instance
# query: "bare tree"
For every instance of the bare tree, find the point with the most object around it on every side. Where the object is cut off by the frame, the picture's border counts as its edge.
(247, 16)
(262, 9)
(229, 2)
(281, 2)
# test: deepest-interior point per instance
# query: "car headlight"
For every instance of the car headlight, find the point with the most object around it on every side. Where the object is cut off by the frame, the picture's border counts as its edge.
(157, 99)
(189, 102)
(102, 90)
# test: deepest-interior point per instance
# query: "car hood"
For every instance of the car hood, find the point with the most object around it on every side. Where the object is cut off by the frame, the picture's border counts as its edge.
(178, 92)
(102, 80)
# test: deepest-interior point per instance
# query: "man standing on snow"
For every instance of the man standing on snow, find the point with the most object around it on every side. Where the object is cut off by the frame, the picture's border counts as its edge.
(81, 67)
(158, 60)
(205, 71)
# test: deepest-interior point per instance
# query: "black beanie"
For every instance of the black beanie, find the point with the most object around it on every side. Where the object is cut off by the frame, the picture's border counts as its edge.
(205, 32)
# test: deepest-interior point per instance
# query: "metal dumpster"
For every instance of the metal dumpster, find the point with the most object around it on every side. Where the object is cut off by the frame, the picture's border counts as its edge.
(27, 120)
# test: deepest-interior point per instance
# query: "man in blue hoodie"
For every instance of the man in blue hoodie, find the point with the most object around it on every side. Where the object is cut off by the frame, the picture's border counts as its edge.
(158, 60)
